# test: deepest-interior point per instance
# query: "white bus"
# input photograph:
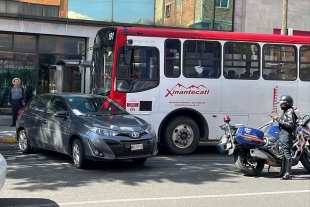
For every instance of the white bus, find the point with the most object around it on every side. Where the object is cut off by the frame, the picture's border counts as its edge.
(184, 81)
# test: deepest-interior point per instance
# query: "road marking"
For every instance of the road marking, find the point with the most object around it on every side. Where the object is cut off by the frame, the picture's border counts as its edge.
(8, 140)
(166, 198)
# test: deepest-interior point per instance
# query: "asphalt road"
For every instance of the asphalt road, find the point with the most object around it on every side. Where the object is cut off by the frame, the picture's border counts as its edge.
(205, 178)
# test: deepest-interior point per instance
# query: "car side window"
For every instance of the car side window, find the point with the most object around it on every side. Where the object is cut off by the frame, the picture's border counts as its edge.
(39, 103)
(55, 105)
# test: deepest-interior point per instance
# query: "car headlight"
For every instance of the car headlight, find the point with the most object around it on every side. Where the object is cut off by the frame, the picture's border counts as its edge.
(102, 131)
(150, 130)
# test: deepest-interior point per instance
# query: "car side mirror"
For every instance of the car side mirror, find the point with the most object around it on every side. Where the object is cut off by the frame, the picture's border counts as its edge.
(61, 114)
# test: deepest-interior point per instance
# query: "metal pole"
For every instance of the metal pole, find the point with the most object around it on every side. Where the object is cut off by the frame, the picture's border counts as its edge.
(112, 9)
(284, 17)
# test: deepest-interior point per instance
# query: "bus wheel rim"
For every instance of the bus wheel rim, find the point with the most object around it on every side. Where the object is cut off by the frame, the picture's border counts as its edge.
(183, 136)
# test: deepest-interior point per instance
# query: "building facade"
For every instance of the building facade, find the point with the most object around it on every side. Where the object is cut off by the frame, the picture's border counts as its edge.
(47, 8)
(34, 34)
(264, 16)
(198, 14)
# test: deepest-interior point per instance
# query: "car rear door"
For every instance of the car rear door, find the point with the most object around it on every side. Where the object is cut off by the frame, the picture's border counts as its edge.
(34, 120)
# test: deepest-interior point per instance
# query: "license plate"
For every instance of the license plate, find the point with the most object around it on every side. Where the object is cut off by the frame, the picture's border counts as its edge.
(136, 146)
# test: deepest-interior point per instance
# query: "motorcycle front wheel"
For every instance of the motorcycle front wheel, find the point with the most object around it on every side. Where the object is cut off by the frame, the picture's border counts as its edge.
(248, 165)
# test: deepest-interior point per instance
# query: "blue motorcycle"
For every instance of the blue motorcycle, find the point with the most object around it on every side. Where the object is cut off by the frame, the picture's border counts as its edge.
(253, 148)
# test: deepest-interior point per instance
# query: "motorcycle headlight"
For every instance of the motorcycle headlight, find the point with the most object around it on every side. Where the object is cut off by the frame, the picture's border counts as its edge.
(102, 131)
(150, 130)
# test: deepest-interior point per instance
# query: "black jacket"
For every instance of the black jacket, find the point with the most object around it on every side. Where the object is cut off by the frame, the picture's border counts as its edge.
(287, 121)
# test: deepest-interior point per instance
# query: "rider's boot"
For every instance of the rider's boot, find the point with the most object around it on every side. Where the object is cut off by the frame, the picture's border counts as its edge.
(288, 170)
(282, 169)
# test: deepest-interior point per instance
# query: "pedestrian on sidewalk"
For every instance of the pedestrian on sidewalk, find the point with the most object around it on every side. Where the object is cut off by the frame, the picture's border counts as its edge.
(17, 99)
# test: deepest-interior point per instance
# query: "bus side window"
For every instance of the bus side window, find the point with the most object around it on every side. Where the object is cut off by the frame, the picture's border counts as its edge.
(279, 62)
(241, 60)
(202, 59)
(304, 67)
(172, 58)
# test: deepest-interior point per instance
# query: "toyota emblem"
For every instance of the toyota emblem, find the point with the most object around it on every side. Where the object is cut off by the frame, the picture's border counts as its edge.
(135, 134)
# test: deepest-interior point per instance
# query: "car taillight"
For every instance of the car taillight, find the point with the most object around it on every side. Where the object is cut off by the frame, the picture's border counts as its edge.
(20, 112)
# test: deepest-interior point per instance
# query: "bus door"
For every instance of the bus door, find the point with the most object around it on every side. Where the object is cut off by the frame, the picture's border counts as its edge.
(69, 76)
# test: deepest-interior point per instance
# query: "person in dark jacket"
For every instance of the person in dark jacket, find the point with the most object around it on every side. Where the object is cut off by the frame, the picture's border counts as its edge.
(16, 98)
(287, 126)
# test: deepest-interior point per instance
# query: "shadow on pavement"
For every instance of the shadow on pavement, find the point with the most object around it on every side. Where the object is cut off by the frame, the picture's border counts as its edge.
(46, 170)
(10, 202)
(55, 171)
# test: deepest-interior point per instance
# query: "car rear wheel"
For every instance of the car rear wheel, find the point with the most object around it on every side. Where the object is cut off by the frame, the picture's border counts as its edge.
(139, 161)
(78, 154)
(23, 142)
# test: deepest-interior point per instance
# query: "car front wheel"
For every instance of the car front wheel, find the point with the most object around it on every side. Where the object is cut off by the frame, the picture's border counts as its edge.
(78, 154)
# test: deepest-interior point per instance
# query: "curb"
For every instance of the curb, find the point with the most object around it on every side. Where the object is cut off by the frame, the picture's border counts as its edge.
(8, 140)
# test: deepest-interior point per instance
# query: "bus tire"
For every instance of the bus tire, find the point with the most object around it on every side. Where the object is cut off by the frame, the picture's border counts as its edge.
(181, 135)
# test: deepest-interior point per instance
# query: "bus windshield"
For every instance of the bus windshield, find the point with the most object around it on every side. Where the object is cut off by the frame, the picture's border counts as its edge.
(103, 70)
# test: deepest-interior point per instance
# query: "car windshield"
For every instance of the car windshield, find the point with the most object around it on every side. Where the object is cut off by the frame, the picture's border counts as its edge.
(94, 106)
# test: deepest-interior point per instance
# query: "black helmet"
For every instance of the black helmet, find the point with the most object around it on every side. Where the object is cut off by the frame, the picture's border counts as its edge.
(287, 100)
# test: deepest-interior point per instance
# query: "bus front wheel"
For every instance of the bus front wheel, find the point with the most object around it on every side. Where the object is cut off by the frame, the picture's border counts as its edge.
(181, 135)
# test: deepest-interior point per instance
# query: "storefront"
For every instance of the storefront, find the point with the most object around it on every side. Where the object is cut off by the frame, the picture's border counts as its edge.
(28, 57)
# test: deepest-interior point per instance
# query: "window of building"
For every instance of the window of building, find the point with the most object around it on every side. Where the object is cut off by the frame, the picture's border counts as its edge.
(2, 6)
(25, 8)
(279, 62)
(12, 7)
(39, 10)
(140, 72)
(6, 41)
(202, 59)
(24, 42)
(241, 61)
(172, 58)
(168, 10)
(58, 44)
(222, 3)
(304, 67)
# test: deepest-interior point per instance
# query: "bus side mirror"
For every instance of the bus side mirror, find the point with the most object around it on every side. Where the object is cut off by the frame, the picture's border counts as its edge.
(128, 57)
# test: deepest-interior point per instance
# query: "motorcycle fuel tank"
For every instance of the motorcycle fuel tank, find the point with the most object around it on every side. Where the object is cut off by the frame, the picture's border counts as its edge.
(249, 136)
(272, 133)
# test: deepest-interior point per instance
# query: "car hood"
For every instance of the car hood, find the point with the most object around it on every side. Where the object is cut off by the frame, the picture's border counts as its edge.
(126, 123)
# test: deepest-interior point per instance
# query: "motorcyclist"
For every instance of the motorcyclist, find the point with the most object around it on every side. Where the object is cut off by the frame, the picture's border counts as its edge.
(287, 127)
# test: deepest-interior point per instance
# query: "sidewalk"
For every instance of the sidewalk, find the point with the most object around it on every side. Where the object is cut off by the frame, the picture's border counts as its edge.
(7, 134)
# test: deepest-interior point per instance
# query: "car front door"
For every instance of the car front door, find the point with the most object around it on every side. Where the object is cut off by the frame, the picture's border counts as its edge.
(57, 126)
